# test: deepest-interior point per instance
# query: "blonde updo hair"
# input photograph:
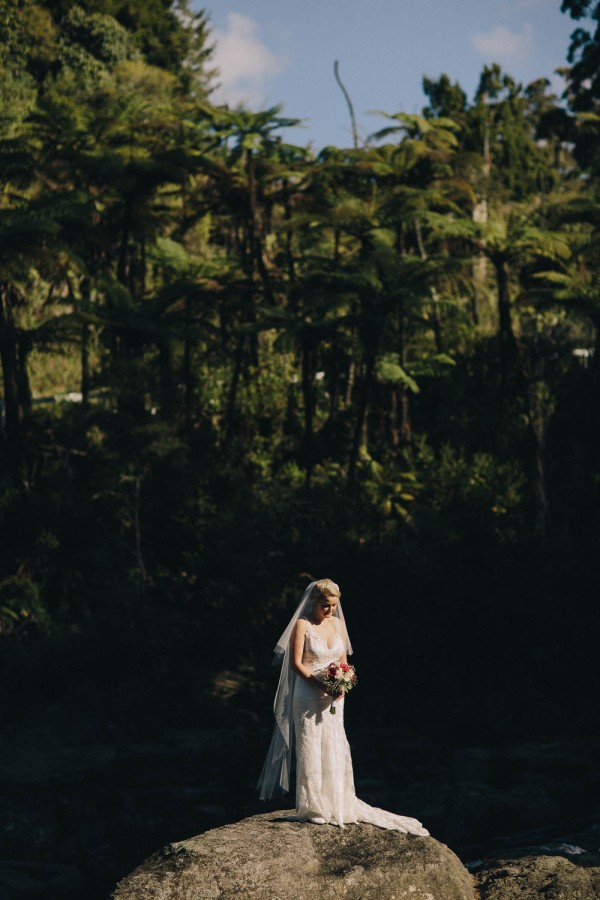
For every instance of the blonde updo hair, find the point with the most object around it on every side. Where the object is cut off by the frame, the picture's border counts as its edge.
(323, 588)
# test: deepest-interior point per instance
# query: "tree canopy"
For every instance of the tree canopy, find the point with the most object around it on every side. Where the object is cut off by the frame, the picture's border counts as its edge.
(228, 360)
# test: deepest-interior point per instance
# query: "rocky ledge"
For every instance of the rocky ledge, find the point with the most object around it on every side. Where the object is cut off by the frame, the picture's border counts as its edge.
(269, 856)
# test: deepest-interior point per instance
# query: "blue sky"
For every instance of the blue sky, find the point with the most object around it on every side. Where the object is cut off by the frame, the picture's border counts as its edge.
(277, 51)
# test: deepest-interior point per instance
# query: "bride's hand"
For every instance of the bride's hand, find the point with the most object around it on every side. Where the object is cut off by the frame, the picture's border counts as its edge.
(332, 693)
(320, 686)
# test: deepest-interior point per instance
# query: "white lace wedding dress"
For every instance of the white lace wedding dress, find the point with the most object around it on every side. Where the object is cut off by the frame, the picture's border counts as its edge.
(324, 779)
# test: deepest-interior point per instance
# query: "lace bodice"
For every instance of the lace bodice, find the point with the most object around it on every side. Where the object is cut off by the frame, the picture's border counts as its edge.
(317, 655)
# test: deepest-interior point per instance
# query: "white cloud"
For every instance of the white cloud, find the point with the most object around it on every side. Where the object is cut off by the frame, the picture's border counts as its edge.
(244, 63)
(503, 45)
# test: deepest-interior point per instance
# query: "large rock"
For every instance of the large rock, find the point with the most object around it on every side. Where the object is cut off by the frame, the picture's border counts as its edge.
(551, 877)
(268, 857)
(564, 869)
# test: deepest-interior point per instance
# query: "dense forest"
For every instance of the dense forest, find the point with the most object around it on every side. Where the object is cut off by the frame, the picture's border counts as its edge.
(230, 363)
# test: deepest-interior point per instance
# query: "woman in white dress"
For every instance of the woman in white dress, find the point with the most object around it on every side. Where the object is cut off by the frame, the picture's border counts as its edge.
(315, 637)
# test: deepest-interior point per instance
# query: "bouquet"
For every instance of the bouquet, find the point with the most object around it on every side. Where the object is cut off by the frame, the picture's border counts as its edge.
(338, 678)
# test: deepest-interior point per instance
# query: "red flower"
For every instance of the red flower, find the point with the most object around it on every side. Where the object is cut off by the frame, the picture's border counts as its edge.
(345, 667)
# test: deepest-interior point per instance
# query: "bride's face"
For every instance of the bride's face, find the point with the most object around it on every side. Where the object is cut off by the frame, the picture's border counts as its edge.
(325, 608)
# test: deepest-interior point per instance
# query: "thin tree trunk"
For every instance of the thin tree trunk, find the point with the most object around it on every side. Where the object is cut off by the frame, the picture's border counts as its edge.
(233, 389)
(435, 315)
(308, 397)
(350, 383)
(85, 365)
(168, 399)
(358, 443)
(508, 344)
(289, 235)
(406, 425)
(480, 214)
(143, 267)
(84, 345)
(334, 391)
(254, 239)
(122, 267)
(9, 359)
(394, 431)
(407, 435)
(538, 423)
(336, 72)
(24, 389)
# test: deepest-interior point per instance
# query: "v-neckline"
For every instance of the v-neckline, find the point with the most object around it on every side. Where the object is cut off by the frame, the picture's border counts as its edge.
(316, 633)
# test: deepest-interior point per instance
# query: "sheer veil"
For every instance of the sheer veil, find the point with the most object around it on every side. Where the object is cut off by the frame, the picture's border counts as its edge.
(275, 776)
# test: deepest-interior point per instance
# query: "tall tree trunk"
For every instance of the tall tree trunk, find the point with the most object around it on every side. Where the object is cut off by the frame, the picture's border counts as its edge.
(407, 435)
(10, 377)
(508, 344)
(122, 265)
(256, 253)
(24, 346)
(85, 365)
(168, 399)
(308, 397)
(334, 390)
(336, 245)
(358, 442)
(538, 401)
(85, 305)
(233, 389)
(289, 235)
(143, 268)
(394, 431)
(435, 314)
(336, 72)
(350, 383)
(406, 424)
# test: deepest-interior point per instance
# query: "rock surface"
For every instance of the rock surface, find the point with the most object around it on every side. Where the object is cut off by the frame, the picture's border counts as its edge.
(268, 856)
(567, 869)
(551, 877)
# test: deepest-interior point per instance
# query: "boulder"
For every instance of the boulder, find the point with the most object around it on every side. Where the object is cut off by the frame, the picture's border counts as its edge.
(271, 856)
(531, 877)
(567, 868)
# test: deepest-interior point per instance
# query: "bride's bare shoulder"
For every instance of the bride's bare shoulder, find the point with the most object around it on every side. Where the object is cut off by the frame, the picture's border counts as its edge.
(301, 626)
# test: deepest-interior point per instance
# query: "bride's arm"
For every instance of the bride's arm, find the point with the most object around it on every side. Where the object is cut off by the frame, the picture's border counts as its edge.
(297, 641)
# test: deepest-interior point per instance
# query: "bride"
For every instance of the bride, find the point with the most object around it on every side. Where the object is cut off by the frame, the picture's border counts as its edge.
(316, 636)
